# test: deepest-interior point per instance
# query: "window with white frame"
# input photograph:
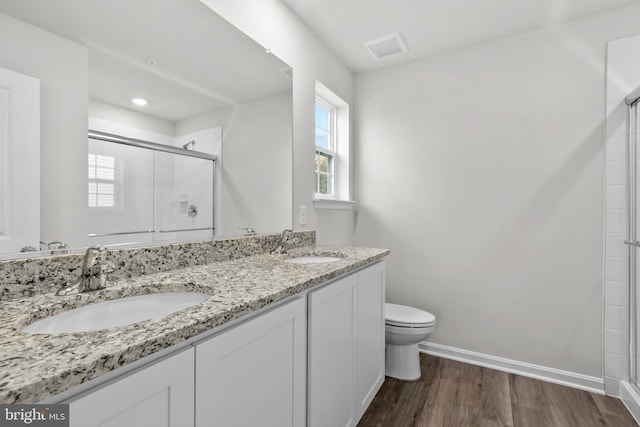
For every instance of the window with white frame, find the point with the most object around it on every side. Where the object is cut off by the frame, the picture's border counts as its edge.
(101, 181)
(325, 149)
(332, 151)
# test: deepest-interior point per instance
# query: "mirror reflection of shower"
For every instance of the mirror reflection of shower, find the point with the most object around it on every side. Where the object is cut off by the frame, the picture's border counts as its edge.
(141, 191)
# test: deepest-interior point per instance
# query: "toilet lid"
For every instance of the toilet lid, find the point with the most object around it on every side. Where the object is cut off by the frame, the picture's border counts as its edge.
(400, 315)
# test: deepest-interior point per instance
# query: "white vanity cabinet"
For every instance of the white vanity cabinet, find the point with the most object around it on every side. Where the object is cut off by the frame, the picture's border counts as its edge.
(255, 373)
(369, 358)
(160, 394)
(332, 346)
(345, 347)
(316, 360)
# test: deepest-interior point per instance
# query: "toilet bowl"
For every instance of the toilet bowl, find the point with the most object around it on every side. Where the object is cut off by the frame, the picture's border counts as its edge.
(404, 328)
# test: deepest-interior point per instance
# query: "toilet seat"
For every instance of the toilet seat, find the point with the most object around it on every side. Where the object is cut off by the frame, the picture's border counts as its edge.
(407, 317)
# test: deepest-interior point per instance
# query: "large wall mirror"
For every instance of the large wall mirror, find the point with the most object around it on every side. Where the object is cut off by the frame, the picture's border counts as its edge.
(208, 89)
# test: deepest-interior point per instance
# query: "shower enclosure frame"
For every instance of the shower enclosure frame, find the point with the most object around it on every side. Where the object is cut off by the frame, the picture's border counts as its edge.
(117, 139)
(632, 242)
(108, 137)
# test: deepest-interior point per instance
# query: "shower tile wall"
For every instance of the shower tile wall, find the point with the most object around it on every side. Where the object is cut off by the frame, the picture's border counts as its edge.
(623, 76)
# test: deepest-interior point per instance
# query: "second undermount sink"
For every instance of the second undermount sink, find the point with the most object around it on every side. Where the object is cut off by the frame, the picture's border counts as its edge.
(312, 259)
(117, 312)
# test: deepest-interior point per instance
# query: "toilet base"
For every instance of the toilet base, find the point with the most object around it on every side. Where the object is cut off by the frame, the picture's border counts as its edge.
(402, 362)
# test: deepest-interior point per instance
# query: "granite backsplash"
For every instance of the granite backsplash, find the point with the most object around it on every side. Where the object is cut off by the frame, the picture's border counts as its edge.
(25, 277)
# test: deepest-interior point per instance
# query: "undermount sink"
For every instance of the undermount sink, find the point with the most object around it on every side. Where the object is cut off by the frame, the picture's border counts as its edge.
(117, 312)
(312, 259)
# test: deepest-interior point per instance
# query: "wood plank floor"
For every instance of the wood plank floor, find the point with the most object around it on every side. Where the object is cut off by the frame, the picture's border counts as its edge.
(457, 394)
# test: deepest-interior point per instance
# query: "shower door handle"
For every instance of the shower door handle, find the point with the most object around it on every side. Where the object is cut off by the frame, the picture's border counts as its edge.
(632, 243)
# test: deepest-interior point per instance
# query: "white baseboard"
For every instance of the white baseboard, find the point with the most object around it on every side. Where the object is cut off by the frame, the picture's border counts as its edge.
(543, 373)
(631, 399)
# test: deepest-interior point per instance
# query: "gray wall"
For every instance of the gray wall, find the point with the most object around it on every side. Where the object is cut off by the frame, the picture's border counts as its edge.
(62, 67)
(482, 170)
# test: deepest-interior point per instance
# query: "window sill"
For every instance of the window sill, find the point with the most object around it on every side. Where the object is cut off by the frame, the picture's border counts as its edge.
(331, 204)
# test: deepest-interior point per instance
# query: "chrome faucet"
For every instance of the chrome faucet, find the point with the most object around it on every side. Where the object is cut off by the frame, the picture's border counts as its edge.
(248, 231)
(56, 247)
(284, 238)
(93, 276)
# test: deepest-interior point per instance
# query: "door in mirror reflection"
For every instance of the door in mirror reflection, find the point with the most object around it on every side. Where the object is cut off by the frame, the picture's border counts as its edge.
(19, 162)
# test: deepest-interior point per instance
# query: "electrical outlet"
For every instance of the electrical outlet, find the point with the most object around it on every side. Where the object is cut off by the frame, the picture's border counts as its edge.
(303, 215)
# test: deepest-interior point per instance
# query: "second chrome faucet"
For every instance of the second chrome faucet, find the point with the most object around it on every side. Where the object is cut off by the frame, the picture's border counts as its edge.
(93, 276)
(282, 244)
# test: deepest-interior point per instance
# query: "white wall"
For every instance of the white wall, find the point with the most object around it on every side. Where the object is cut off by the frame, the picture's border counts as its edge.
(99, 110)
(256, 170)
(62, 67)
(256, 164)
(482, 170)
(272, 25)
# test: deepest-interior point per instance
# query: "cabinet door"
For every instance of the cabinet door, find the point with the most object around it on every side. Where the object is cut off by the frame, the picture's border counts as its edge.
(331, 350)
(370, 335)
(160, 395)
(254, 374)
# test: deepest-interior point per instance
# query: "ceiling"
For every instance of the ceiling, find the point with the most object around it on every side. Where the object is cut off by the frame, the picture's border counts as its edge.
(203, 62)
(431, 26)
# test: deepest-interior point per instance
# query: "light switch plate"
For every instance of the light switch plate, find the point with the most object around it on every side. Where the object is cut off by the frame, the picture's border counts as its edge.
(303, 215)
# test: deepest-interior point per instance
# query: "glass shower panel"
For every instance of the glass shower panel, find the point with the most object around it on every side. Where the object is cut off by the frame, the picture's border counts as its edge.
(634, 255)
(633, 242)
(120, 193)
(635, 329)
(184, 196)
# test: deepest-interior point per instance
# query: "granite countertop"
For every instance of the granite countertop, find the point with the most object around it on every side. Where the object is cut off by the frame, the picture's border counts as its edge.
(34, 367)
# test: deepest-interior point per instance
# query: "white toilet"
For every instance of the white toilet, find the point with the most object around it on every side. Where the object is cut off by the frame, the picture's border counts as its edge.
(404, 328)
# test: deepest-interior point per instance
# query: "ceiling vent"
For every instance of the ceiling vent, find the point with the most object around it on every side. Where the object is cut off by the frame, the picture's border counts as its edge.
(386, 46)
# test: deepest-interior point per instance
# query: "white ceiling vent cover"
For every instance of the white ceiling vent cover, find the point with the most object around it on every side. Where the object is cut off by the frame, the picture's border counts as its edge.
(389, 45)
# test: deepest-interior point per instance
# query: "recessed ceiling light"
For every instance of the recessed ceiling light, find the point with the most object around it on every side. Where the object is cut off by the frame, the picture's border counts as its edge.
(385, 46)
(139, 101)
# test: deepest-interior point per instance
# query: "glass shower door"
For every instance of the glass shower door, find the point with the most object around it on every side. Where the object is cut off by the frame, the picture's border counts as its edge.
(141, 191)
(120, 193)
(633, 240)
(184, 197)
